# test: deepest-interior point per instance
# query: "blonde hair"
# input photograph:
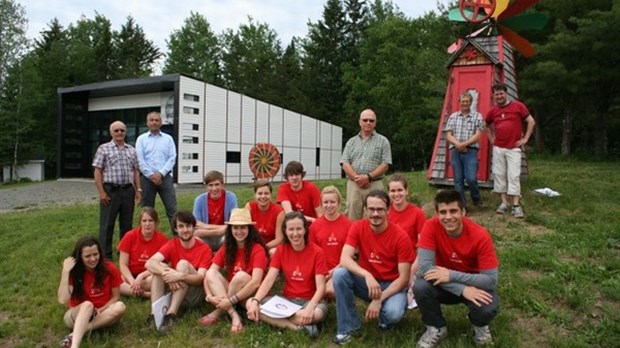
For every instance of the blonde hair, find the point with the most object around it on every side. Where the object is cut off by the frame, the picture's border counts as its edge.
(332, 189)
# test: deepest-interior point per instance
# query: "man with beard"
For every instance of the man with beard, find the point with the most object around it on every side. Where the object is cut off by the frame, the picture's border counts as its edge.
(382, 274)
(457, 264)
(180, 265)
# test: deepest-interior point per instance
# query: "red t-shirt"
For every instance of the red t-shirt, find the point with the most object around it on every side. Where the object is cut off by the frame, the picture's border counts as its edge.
(265, 220)
(139, 249)
(411, 220)
(199, 255)
(304, 200)
(508, 123)
(258, 259)
(330, 236)
(98, 296)
(380, 253)
(216, 209)
(299, 269)
(470, 252)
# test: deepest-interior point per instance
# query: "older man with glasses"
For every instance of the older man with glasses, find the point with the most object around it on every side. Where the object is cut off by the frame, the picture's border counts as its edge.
(365, 159)
(117, 178)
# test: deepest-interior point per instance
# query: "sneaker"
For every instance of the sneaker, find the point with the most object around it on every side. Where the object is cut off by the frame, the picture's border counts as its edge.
(482, 335)
(432, 336)
(313, 331)
(502, 209)
(66, 341)
(342, 339)
(170, 320)
(517, 212)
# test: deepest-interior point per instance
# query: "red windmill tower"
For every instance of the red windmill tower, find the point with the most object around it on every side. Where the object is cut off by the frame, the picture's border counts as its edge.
(478, 61)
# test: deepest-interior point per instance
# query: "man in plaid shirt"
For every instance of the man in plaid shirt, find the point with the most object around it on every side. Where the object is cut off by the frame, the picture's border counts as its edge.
(117, 178)
(463, 131)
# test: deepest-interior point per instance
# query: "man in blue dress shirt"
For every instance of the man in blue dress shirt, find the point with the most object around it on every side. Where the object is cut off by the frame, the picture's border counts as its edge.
(157, 155)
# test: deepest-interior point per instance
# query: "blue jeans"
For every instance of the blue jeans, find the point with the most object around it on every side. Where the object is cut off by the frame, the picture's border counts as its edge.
(347, 285)
(465, 168)
(430, 298)
(166, 193)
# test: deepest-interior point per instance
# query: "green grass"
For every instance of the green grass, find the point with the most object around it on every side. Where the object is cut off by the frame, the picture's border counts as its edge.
(559, 273)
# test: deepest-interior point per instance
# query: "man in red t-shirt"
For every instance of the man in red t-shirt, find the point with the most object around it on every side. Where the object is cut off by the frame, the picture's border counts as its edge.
(381, 274)
(457, 264)
(505, 132)
(180, 265)
(296, 194)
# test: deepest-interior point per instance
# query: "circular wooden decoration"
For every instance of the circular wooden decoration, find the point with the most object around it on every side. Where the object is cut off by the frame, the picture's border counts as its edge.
(476, 11)
(264, 161)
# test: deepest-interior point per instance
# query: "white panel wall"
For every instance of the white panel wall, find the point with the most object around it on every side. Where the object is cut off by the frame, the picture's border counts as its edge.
(275, 125)
(232, 173)
(308, 157)
(262, 122)
(190, 155)
(215, 157)
(234, 117)
(325, 135)
(248, 120)
(246, 173)
(326, 165)
(308, 132)
(124, 102)
(292, 129)
(215, 127)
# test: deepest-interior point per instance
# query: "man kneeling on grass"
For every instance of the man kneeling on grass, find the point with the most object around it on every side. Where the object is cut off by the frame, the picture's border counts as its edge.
(180, 265)
(381, 274)
(457, 264)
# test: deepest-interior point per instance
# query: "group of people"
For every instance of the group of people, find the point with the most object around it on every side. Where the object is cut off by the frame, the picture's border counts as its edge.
(383, 250)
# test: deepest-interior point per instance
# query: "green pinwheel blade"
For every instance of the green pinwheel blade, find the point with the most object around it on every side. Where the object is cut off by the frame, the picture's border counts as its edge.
(528, 21)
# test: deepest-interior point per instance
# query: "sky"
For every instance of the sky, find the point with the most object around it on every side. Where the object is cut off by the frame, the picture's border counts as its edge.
(158, 18)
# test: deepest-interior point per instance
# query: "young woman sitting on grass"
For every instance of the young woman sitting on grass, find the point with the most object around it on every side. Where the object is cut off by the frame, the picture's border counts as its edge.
(136, 247)
(244, 258)
(330, 231)
(303, 267)
(90, 287)
(267, 215)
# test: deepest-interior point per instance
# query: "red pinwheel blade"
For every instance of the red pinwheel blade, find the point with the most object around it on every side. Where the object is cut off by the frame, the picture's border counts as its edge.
(517, 41)
(517, 7)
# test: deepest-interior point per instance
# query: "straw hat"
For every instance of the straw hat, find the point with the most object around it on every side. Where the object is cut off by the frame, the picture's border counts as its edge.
(240, 216)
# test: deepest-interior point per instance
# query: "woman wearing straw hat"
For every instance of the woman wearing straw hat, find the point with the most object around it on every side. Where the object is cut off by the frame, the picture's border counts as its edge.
(244, 258)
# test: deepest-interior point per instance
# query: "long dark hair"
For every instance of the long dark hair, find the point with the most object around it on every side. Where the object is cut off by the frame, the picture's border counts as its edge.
(77, 273)
(231, 245)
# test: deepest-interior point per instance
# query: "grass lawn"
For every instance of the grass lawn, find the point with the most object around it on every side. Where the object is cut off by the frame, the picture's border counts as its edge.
(559, 273)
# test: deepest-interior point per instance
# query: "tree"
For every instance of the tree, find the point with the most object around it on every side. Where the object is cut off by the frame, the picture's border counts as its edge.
(13, 44)
(134, 53)
(250, 57)
(194, 50)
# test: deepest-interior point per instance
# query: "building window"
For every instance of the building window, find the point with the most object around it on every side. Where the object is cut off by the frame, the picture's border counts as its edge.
(233, 157)
(317, 157)
(190, 126)
(189, 156)
(189, 169)
(190, 140)
(190, 110)
(191, 97)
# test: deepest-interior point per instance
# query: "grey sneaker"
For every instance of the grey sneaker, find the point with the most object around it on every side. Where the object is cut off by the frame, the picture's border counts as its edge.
(502, 209)
(313, 331)
(432, 336)
(482, 335)
(342, 339)
(170, 321)
(517, 212)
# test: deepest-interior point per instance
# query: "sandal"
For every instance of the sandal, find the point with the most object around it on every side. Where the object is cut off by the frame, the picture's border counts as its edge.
(236, 328)
(66, 341)
(208, 320)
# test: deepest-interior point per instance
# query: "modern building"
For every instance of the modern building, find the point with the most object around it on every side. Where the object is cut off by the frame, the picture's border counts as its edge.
(214, 128)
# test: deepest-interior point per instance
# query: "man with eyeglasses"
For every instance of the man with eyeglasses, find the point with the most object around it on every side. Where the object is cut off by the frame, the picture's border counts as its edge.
(117, 178)
(157, 154)
(365, 159)
(380, 276)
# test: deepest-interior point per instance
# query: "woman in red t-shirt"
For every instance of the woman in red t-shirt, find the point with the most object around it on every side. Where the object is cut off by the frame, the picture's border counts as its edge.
(90, 287)
(136, 247)
(267, 215)
(244, 258)
(303, 268)
(330, 231)
(408, 217)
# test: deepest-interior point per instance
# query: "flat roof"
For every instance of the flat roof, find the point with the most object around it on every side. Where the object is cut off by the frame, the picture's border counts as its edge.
(126, 86)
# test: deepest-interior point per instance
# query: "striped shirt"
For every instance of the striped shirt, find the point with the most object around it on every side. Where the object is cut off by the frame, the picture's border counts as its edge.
(116, 162)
